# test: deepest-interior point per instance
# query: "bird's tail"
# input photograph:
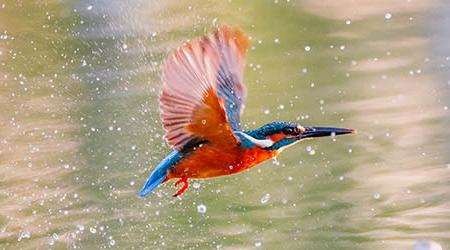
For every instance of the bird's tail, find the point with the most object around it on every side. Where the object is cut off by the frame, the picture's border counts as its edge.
(156, 178)
(159, 175)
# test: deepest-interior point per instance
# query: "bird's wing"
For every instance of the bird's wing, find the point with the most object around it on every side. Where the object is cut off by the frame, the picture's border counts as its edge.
(203, 89)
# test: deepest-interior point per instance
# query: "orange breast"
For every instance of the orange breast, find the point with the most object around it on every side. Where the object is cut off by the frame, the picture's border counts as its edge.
(210, 161)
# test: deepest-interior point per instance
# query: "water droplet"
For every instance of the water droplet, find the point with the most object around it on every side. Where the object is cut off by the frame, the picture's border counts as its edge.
(203, 122)
(258, 243)
(201, 208)
(112, 242)
(266, 112)
(265, 198)
(348, 21)
(426, 245)
(89, 7)
(276, 40)
(388, 16)
(196, 185)
(275, 161)
(377, 196)
(307, 48)
(93, 230)
(24, 235)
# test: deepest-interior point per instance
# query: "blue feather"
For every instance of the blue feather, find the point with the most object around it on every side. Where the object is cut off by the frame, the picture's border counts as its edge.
(160, 173)
(228, 88)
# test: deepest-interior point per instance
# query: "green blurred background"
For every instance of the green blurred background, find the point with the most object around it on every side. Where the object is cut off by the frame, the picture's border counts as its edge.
(80, 129)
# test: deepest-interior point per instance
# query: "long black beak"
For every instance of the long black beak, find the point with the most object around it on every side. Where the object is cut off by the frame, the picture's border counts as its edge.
(311, 132)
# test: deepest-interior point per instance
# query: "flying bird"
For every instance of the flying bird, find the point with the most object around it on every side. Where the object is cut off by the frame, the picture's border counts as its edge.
(201, 102)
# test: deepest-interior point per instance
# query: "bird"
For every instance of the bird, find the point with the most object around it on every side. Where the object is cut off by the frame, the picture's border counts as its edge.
(201, 103)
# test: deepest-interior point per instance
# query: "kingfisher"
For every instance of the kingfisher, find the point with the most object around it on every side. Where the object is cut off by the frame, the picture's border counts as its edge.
(201, 103)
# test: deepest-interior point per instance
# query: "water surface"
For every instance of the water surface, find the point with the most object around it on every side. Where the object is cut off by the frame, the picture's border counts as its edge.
(80, 129)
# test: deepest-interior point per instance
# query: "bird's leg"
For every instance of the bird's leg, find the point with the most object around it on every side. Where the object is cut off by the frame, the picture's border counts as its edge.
(183, 180)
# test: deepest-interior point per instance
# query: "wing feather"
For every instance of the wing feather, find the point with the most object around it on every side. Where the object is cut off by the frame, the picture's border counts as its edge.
(203, 89)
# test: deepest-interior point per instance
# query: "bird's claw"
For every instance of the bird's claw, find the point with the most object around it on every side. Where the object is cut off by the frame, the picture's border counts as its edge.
(182, 189)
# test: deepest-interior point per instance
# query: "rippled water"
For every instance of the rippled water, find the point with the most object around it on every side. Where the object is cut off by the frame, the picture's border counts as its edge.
(80, 129)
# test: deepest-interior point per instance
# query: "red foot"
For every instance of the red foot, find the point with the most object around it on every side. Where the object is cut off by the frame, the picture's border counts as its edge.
(185, 182)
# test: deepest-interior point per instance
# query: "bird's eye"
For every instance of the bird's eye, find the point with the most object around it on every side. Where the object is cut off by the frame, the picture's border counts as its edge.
(291, 131)
(288, 131)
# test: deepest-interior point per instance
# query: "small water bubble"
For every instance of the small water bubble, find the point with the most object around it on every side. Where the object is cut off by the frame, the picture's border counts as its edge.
(258, 243)
(132, 183)
(201, 208)
(24, 235)
(266, 112)
(93, 230)
(307, 48)
(275, 161)
(265, 198)
(124, 46)
(196, 185)
(203, 121)
(376, 196)
(89, 7)
(348, 21)
(388, 16)
(276, 40)
(341, 178)
(51, 241)
(112, 242)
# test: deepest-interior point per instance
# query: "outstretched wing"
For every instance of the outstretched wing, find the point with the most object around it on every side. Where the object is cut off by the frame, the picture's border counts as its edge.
(203, 89)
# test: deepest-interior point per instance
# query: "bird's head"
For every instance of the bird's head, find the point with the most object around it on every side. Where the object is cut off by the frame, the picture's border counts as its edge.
(277, 135)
